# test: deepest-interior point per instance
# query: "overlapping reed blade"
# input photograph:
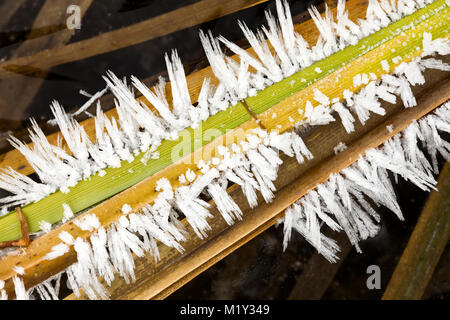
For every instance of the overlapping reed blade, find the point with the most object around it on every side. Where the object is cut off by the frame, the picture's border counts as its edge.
(398, 39)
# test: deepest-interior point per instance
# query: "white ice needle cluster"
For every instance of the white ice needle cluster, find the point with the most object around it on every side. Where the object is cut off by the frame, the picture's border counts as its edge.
(342, 203)
(140, 129)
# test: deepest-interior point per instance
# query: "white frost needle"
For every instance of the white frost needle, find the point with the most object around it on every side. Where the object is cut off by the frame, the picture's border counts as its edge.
(21, 293)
